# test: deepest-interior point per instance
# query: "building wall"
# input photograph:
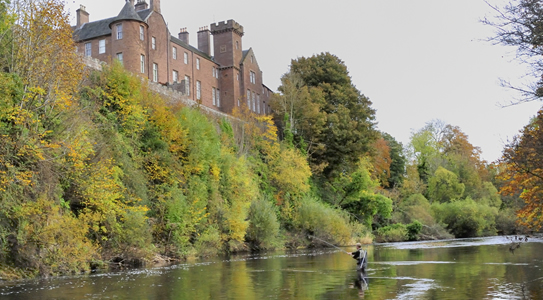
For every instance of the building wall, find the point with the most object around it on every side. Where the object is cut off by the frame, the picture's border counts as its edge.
(232, 78)
(159, 55)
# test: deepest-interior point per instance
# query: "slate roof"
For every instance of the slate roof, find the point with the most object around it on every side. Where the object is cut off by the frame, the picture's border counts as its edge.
(128, 13)
(101, 27)
(189, 47)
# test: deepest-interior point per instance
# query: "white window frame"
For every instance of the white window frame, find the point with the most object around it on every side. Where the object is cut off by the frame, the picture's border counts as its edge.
(119, 29)
(174, 52)
(142, 33)
(142, 63)
(252, 77)
(120, 57)
(101, 46)
(197, 64)
(213, 92)
(175, 76)
(249, 99)
(153, 43)
(254, 101)
(198, 90)
(187, 85)
(257, 103)
(186, 58)
(155, 72)
(88, 49)
(218, 97)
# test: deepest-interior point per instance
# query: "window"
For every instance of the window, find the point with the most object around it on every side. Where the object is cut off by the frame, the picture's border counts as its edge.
(213, 91)
(119, 31)
(198, 90)
(88, 49)
(237, 45)
(197, 64)
(219, 98)
(142, 63)
(213, 71)
(186, 58)
(258, 103)
(252, 58)
(175, 76)
(102, 46)
(252, 77)
(153, 43)
(249, 99)
(142, 35)
(120, 57)
(254, 102)
(187, 85)
(174, 52)
(155, 72)
(237, 76)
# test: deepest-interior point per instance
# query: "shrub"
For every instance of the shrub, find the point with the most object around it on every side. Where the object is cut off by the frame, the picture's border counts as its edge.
(413, 230)
(392, 233)
(323, 221)
(466, 218)
(263, 231)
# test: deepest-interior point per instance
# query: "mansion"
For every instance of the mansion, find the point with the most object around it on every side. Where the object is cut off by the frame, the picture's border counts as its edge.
(139, 38)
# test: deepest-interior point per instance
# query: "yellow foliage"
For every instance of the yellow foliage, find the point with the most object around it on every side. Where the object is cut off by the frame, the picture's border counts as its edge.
(54, 240)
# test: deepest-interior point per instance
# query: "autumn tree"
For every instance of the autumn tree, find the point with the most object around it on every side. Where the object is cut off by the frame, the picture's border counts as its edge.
(523, 173)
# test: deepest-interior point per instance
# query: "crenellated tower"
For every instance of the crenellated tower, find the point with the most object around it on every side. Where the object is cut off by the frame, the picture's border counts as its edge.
(228, 54)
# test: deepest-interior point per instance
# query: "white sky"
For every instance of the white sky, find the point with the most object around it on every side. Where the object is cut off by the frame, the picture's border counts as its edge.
(416, 60)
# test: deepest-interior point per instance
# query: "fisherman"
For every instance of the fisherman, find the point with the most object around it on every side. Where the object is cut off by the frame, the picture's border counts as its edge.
(359, 255)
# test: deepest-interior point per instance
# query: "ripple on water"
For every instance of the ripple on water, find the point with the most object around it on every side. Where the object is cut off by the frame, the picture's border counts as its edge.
(451, 243)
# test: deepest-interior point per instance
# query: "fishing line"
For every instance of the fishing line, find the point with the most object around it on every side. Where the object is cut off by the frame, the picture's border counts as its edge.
(314, 237)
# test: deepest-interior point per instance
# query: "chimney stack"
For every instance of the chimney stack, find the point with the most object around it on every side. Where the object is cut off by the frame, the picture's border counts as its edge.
(155, 5)
(82, 16)
(204, 40)
(141, 5)
(132, 2)
(184, 35)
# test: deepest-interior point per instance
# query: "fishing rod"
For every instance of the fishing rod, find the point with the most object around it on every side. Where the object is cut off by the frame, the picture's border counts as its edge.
(314, 237)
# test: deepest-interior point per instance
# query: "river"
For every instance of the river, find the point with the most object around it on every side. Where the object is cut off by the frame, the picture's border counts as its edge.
(480, 268)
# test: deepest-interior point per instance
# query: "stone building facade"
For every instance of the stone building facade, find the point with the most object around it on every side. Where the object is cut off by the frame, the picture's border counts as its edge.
(139, 38)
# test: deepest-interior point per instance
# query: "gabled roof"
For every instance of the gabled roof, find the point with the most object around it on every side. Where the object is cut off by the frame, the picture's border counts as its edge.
(190, 48)
(101, 27)
(245, 53)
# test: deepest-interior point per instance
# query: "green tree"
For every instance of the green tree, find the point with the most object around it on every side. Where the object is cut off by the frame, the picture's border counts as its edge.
(444, 186)
(348, 131)
(398, 161)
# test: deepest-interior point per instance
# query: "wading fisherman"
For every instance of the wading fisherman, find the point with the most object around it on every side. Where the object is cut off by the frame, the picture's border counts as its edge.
(360, 256)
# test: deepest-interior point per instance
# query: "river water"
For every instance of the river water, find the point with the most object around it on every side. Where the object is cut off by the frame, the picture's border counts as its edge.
(482, 268)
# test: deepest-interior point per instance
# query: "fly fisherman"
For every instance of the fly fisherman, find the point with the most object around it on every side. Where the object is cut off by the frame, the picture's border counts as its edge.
(360, 257)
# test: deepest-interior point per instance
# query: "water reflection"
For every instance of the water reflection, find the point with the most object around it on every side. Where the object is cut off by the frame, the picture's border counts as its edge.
(459, 269)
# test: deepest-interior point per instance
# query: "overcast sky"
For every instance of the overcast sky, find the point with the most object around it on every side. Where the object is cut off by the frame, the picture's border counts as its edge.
(416, 60)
